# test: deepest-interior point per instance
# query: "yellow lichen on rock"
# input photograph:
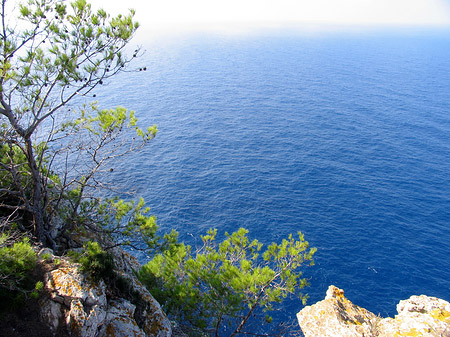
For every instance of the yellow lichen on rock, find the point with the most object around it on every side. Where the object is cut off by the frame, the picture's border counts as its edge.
(86, 310)
(411, 333)
(441, 315)
(338, 316)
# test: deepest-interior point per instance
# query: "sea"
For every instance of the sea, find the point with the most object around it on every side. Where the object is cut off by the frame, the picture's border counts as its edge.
(344, 136)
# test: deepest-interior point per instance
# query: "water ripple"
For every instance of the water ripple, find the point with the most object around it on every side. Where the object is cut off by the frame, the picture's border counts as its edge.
(344, 138)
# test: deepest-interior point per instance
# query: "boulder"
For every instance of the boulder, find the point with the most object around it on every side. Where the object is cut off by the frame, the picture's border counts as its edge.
(337, 316)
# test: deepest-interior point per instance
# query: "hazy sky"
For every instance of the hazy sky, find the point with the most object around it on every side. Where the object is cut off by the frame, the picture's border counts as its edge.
(159, 14)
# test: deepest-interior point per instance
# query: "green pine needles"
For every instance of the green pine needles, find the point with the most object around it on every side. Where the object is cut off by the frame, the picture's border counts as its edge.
(17, 261)
(96, 262)
(222, 285)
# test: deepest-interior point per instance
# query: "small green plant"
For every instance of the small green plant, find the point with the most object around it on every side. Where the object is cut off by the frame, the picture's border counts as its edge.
(46, 257)
(98, 263)
(224, 286)
(37, 289)
(17, 261)
(74, 255)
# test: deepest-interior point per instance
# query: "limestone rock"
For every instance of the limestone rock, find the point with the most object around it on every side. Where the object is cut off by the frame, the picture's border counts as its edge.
(418, 316)
(149, 314)
(120, 321)
(81, 302)
(85, 309)
(337, 316)
(51, 312)
(69, 283)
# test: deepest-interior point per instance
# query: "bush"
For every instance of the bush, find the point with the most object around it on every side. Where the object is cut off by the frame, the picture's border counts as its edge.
(99, 265)
(17, 261)
(96, 262)
(222, 287)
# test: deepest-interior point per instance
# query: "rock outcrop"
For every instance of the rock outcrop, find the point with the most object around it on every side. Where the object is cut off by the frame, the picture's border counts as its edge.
(83, 308)
(337, 316)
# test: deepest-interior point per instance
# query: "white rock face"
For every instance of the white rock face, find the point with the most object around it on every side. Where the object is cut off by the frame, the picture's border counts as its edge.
(419, 316)
(83, 308)
(337, 316)
(73, 297)
(120, 320)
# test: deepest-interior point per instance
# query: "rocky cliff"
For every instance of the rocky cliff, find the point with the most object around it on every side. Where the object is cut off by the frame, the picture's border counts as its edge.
(74, 305)
(336, 316)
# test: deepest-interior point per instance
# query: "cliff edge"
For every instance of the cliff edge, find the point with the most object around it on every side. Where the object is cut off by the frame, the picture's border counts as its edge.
(337, 316)
(73, 304)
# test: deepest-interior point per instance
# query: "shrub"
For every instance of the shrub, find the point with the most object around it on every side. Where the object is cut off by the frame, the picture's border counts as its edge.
(17, 261)
(98, 263)
(225, 286)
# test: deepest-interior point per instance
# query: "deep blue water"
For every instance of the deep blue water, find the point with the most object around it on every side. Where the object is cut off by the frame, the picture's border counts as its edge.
(343, 137)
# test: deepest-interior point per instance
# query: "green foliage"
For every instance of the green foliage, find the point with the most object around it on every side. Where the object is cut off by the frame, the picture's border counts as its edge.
(59, 51)
(15, 176)
(70, 43)
(99, 265)
(17, 261)
(14, 170)
(126, 223)
(37, 288)
(96, 262)
(74, 255)
(46, 257)
(224, 285)
(108, 122)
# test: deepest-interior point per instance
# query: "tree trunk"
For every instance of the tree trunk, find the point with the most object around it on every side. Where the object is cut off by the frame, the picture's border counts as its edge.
(37, 199)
